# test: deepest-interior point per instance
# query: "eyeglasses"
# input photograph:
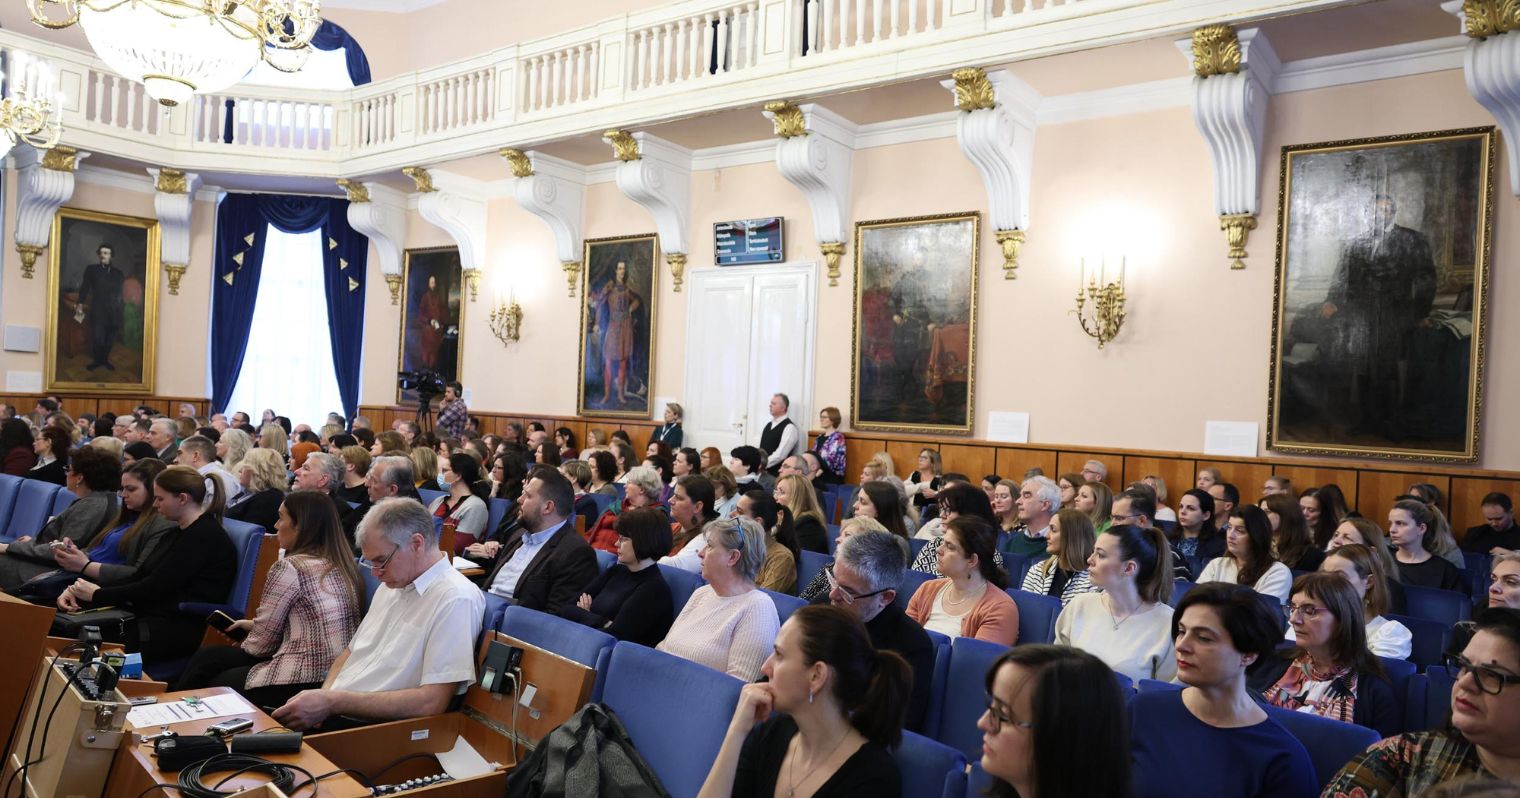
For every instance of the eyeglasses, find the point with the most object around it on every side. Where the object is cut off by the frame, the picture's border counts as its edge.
(850, 596)
(378, 566)
(1309, 611)
(1490, 680)
(1000, 718)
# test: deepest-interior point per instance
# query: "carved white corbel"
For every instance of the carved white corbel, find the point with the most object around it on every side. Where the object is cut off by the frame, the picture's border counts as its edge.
(379, 212)
(1491, 65)
(657, 175)
(443, 204)
(174, 202)
(815, 153)
(553, 190)
(1233, 75)
(45, 181)
(995, 128)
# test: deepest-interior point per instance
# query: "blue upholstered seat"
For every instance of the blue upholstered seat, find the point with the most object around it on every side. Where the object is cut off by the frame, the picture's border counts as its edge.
(682, 585)
(1443, 606)
(926, 766)
(811, 564)
(10, 488)
(1429, 639)
(34, 503)
(1331, 743)
(956, 698)
(61, 500)
(785, 605)
(247, 539)
(911, 581)
(1037, 616)
(571, 640)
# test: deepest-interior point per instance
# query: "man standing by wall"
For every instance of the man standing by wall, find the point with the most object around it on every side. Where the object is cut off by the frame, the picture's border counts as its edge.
(779, 438)
(452, 413)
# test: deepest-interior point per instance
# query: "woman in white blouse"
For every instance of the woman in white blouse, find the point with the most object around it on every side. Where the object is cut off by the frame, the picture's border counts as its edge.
(1128, 625)
(1365, 572)
(1248, 557)
(728, 624)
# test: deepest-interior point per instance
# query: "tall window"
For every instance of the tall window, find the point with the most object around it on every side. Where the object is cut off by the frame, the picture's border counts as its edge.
(289, 364)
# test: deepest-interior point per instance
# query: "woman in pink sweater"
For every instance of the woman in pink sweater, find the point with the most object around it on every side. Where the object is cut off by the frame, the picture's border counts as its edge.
(969, 600)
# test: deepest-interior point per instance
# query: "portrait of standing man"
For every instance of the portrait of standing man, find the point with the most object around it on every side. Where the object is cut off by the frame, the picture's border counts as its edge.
(103, 303)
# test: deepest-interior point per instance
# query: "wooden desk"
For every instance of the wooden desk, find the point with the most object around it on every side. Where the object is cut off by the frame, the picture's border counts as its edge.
(26, 627)
(135, 769)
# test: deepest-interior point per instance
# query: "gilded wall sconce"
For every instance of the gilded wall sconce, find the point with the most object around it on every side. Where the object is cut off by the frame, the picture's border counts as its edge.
(1100, 302)
(506, 321)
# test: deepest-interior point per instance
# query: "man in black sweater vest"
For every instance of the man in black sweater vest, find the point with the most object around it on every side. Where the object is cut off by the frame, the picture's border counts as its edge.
(779, 438)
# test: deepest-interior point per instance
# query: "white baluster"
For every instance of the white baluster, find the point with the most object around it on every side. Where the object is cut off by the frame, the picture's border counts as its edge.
(150, 119)
(860, 21)
(531, 93)
(895, 17)
(724, 23)
(703, 59)
(578, 84)
(681, 35)
(646, 62)
(667, 45)
(934, 22)
(738, 33)
(754, 33)
(878, 8)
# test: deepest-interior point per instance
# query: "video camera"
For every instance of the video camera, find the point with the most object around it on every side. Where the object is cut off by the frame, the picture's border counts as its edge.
(427, 384)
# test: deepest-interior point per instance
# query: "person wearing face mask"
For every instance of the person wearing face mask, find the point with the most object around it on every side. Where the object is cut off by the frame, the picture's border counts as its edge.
(1482, 739)
(464, 503)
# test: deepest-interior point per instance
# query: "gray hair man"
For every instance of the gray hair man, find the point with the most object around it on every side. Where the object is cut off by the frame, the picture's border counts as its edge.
(389, 477)
(415, 649)
(323, 472)
(161, 437)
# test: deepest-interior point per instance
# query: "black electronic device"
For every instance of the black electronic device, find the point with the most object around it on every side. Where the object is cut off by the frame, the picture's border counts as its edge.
(267, 743)
(222, 622)
(501, 662)
(179, 752)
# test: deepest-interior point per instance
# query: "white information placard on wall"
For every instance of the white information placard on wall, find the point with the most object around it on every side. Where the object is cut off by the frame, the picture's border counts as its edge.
(1230, 438)
(1008, 427)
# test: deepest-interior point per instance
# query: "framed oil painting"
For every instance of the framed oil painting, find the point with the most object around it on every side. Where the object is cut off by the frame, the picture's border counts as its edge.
(432, 315)
(915, 324)
(102, 330)
(617, 326)
(1382, 282)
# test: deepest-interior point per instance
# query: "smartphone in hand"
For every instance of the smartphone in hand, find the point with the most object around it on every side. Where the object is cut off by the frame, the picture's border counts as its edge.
(222, 622)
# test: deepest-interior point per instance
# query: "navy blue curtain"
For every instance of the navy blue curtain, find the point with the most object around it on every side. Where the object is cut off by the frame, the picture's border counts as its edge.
(241, 222)
(332, 37)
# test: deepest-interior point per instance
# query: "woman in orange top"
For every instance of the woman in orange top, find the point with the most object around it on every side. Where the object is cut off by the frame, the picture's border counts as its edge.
(969, 600)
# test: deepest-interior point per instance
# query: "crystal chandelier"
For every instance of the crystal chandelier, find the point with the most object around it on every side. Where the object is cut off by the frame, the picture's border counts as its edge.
(177, 48)
(28, 112)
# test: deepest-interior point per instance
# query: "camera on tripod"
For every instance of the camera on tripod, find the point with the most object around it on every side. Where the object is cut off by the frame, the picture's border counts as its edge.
(427, 384)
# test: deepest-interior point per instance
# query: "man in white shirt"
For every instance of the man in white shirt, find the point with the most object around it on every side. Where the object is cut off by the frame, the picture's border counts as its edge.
(546, 565)
(199, 453)
(779, 437)
(415, 649)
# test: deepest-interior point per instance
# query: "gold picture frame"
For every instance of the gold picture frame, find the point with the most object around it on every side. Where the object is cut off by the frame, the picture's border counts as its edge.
(1380, 296)
(618, 313)
(913, 339)
(424, 345)
(101, 346)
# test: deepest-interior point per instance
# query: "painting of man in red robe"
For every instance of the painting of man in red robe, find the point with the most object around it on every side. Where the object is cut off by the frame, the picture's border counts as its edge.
(617, 319)
(432, 311)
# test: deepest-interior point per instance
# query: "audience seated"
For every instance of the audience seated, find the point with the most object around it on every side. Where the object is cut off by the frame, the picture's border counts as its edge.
(309, 611)
(1319, 516)
(622, 455)
(232, 447)
(1411, 531)
(464, 502)
(17, 455)
(577, 471)
(322, 473)
(818, 587)
(94, 477)
(356, 463)
(415, 649)
(389, 477)
(1038, 500)
(924, 483)
(1094, 471)
(1212, 738)
(1504, 582)
(630, 600)
(1195, 534)
(1069, 485)
(1498, 533)
(52, 455)
(1368, 576)
(642, 488)
(832, 700)
(1128, 625)
(1097, 500)
(604, 472)
(691, 509)
(1364, 532)
(1158, 487)
(1330, 672)
(129, 453)
(1226, 499)
(879, 500)
(1054, 725)
(1277, 485)
(1248, 557)
(779, 572)
(1064, 573)
(1480, 740)
(545, 565)
(1207, 477)
(728, 624)
(1292, 542)
(957, 498)
(425, 467)
(968, 601)
(196, 563)
(796, 493)
(199, 453)
(746, 463)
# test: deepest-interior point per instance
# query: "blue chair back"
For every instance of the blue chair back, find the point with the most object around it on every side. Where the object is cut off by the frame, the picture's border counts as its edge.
(1429, 639)
(1443, 606)
(1437, 696)
(682, 585)
(830, 505)
(1478, 567)
(1416, 712)
(1331, 743)
(622, 491)
(1037, 616)
(926, 765)
(643, 686)
(977, 782)
(602, 501)
(1399, 673)
(429, 495)
(247, 539)
(496, 610)
(1154, 685)
(785, 605)
(34, 501)
(62, 499)
(956, 700)
(372, 584)
(809, 566)
(10, 488)
(831, 536)
(604, 560)
(571, 640)
(911, 581)
(916, 545)
(498, 510)
(1017, 565)
(1180, 587)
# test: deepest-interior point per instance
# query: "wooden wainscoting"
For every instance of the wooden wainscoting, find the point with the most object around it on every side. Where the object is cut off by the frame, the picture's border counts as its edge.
(77, 405)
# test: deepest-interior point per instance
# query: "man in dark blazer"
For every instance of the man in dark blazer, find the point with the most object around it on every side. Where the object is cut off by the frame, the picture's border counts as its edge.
(546, 564)
(100, 301)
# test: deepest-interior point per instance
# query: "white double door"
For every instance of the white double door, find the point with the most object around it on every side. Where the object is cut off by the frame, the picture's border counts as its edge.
(749, 335)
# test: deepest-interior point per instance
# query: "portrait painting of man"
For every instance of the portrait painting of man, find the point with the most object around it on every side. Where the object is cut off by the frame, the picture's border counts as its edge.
(915, 322)
(1381, 283)
(432, 314)
(617, 323)
(103, 293)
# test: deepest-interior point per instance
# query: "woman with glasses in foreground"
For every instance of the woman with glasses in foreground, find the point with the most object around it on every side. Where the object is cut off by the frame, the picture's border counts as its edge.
(1483, 738)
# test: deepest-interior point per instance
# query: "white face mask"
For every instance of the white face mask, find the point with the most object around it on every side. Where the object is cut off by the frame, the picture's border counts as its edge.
(443, 484)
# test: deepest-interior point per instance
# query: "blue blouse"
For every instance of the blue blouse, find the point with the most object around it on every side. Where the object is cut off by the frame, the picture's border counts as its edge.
(107, 550)
(1178, 754)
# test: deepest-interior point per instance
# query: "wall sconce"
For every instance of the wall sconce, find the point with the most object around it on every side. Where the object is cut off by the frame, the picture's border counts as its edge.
(506, 320)
(472, 280)
(1103, 320)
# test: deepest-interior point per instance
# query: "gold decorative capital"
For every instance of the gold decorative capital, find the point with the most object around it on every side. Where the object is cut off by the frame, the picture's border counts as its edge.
(788, 119)
(1216, 51)
(393, 282)
(624, 146)
(60, 159)
(572, 273)
(521, 164)
(832, 252)
(1487, 18)
(355, 190)
(421, 177)
(29, 255)
(677, 261)
(176, 272)
(472, 279)
(1236, 227)
(172, 181)
(1011, 241)
(973, 91)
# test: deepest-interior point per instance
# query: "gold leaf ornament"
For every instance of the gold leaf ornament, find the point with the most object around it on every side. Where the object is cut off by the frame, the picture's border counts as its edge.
(1216, 51)
(624, 146)
(788, 119)
(518, 161)
(1490, 17)
(973, 91)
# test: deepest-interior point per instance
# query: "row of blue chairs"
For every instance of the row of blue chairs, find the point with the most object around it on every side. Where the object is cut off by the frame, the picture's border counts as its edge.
(27, 504)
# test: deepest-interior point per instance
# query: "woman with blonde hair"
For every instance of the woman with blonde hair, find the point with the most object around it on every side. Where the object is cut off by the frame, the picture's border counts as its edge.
(1369, 534)
(272, 436)
(232, 447)
(797, 494)
(1163, 512)
(262, 475)
(1097, 500)
(425, 467)
(111, 445)
(1064, 574)
(924, 484)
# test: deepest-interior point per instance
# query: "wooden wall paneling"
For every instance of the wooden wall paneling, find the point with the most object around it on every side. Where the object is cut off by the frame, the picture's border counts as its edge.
(1178, 473)
(905, 455)
(1246, 477)
(973, 461)
(1014, 463)
(1467, 494)
(640, 432)
(579, 428)
(857, 452)
(1305, 477)
(1377, 489)
(1070, 461)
